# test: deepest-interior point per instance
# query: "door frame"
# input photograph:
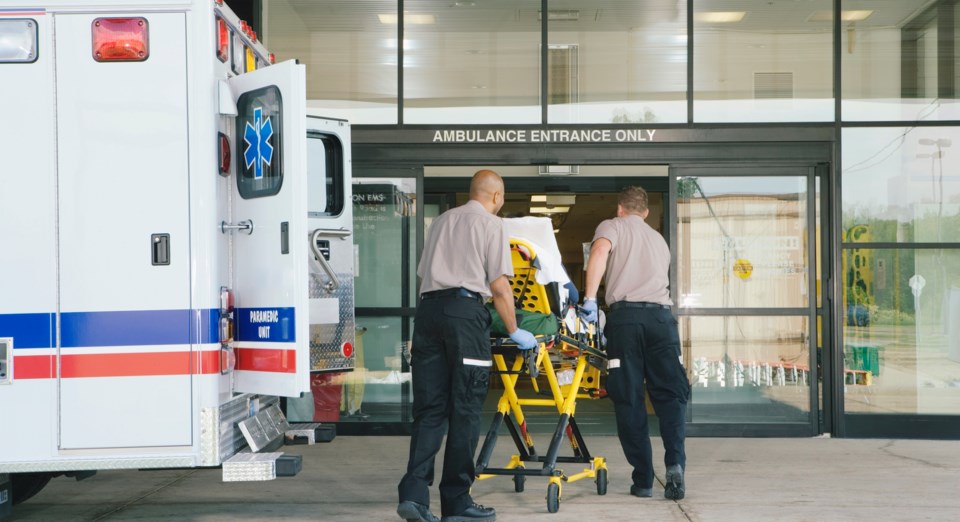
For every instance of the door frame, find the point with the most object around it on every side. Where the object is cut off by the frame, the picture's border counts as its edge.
(818, 306)
(401, 147)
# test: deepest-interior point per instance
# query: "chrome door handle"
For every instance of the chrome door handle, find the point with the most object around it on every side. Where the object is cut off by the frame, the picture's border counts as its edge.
(246, 225)
(334, 281)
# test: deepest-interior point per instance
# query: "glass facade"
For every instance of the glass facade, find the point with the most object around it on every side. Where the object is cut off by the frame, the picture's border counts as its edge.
(350, 52)
(763, 62)
(882, 279)
(471, 62)
(901, 270)
(899, 60)
(628, 64)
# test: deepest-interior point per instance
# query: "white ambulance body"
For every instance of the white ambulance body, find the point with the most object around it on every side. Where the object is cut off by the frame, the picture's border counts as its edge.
(175, 245)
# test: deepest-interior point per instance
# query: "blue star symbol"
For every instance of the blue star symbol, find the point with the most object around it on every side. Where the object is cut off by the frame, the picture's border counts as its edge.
(257, 137)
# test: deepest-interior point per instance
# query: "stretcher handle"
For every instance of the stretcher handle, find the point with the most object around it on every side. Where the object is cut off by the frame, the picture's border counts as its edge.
(334, 281)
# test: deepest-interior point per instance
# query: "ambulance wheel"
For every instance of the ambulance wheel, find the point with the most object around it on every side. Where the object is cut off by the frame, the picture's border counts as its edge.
(553, 498)
(518, 482)
(602, 481)
(26, 485)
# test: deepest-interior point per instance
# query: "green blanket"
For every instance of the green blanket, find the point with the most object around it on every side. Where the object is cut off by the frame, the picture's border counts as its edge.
(533, 322)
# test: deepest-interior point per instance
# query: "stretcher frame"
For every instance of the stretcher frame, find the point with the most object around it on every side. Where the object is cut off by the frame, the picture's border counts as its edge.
(567, 350)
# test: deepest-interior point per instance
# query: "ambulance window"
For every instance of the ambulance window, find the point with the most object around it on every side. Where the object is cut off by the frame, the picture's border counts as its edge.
(259, 142)
(325, 167)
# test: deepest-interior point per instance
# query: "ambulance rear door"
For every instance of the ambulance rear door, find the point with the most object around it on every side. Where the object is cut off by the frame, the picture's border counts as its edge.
(268, 228)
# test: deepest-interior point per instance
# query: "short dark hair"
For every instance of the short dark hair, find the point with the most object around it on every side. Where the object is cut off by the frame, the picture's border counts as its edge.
(633, 199)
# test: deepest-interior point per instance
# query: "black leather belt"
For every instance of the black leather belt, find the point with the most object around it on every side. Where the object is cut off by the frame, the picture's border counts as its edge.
(638, 304)
(452, 292)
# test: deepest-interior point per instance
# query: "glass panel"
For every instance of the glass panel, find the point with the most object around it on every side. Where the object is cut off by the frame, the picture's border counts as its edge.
(324, 175)
(384, 220)
(894, 66)
(471, 62)
(742, 242)
(350, 53)
(621, 61)
(901, 184)
(763, 61)
(260, 158)
(747, 369)
(902, 331)
(373, 392)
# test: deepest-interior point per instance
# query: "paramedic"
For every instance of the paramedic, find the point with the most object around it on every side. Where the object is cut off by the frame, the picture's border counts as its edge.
(466, 258)
(643, 343)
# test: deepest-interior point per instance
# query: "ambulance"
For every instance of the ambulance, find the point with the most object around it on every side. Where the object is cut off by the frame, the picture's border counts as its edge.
(176, 246)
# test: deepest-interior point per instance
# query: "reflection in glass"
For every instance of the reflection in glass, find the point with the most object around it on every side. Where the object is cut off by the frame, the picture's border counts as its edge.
(901, 331)
(763, 61)
(747, 369)
(742, 242)
(384, 224)
(901, 184)
(894, 66)
(471, 62)
(349, 53)
(374, 390)
(619, 62)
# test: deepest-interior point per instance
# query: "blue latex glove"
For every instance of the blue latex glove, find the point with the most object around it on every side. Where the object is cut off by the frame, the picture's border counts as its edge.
(590, 310)
(524, 339)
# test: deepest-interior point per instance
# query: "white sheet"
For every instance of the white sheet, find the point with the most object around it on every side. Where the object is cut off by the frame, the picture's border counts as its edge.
(538, 231)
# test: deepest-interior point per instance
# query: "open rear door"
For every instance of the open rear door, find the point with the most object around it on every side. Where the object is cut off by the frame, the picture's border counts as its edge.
(269, 212)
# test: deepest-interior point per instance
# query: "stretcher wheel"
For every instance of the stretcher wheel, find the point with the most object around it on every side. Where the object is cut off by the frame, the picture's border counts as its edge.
(518, 482)
(602, 481)
(553, 498)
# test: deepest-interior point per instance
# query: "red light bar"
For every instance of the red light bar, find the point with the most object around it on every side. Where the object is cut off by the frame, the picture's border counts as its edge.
(224, 146)
(120, 39)
(273, 59)
(223, 40)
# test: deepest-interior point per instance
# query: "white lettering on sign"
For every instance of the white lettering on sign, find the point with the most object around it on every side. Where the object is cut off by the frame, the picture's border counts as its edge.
(264, 316)
(263, 332)
(544, 136)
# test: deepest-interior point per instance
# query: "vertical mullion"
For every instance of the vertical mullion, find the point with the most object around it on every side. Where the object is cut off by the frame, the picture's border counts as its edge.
(689, 62)
(544, 15)
(400, 62)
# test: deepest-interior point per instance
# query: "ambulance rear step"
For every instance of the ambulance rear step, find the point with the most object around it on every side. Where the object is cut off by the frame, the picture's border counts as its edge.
(268, 430)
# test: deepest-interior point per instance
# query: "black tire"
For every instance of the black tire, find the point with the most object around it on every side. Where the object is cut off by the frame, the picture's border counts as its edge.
(518, 482)
(602, 481)
(26, 485)
(553, 498)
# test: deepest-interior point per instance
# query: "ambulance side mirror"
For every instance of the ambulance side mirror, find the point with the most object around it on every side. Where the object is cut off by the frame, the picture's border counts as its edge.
(228, 107)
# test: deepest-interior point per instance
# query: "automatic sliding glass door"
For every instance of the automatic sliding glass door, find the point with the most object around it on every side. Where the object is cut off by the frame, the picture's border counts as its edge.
(746, 286)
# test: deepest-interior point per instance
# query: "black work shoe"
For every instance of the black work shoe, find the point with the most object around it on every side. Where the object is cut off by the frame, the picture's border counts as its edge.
(415, 512)
(673, 487)
(637, 491)
(474, 513)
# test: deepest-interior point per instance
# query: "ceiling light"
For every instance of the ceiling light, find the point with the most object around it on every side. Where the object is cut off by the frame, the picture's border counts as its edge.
(408, 19)
(846, 16)
(560, 15)
(549, 210)
(538, 198)
(719, 17)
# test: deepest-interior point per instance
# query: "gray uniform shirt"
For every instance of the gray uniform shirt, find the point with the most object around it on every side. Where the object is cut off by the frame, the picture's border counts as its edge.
(638, 268)
(466, 247)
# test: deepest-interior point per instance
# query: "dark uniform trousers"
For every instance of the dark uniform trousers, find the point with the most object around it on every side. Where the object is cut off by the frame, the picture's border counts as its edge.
(447, 397)
(645, 339)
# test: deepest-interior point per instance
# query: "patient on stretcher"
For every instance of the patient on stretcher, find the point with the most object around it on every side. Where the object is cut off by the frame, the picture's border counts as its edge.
(542, 289)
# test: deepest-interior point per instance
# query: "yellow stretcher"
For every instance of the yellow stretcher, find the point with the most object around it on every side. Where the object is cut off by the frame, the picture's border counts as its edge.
(571, 362)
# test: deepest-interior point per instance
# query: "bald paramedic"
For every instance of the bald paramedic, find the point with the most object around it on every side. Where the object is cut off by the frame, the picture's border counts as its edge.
(466, 259)
(643, 344)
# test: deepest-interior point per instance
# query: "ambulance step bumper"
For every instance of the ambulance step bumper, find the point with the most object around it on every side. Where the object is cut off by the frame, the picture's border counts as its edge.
(245, 467)
(310, 433)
